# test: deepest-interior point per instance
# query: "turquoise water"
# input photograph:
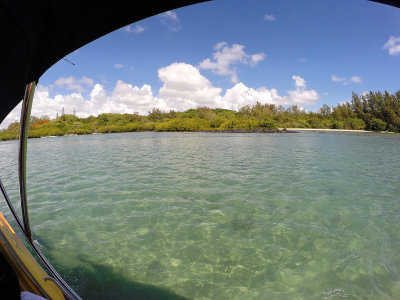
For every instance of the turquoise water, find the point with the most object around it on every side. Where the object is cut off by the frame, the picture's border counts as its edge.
(217, 216)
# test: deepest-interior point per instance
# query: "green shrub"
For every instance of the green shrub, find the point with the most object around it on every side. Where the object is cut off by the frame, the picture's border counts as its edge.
(354, 123)
(337, 125)
(377, 125)
(192, 124)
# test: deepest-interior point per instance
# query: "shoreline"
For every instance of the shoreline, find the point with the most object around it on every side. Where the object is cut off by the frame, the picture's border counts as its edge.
(278, 130)
(334, 130)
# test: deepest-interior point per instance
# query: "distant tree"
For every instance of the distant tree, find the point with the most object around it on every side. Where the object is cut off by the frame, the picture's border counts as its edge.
(155, 114)
(325, 110)
(206, 113)
(33, 119)
(13, 127)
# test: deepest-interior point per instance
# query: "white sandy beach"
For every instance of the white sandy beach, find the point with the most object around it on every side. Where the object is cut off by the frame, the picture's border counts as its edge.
(325, 129)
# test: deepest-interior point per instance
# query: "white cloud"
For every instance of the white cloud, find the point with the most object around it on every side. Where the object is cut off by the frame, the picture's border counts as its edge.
(118, 66)
(335, 78)
(345, 81)
(170, 15)
(171, 21)
(392, 45)
(73, 84)
(241, 95)
(43, 105)
(135, 29)
(299, 82)
(135, 98)
(225, 57)
(269, 18)
(256, 58)
(356, 79)
(301, 95)
(184, 87)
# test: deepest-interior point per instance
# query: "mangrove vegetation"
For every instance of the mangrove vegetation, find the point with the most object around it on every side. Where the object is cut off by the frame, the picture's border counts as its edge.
(374, 111)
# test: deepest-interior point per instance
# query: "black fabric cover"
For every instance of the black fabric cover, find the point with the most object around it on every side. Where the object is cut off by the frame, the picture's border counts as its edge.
(34, 35)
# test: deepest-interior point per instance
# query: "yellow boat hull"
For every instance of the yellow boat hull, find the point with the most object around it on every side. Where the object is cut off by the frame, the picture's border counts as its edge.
(31, 276)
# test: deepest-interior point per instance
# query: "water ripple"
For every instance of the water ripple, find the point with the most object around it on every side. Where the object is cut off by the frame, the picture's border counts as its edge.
(218, 216)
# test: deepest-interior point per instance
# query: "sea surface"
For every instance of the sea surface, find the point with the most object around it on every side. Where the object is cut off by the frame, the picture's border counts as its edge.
(216, 215)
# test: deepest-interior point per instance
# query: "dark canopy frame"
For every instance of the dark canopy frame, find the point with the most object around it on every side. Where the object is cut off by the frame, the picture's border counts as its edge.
(34, 35)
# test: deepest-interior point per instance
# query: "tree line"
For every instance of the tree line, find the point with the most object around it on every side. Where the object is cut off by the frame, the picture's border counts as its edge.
(374, 111)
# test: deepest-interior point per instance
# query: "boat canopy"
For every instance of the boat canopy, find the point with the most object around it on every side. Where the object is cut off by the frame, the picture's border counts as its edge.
(35, 35)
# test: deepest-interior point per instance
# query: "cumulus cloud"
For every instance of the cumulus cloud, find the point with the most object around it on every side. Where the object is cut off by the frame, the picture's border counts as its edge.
(241, 95)
(392, 45)
(171, 20)
(345, 81)
(135, 29)
(118, 66)
(183, 87)
(301, 95)
(73, 84)
(225, 57)
(134, 98)
(299, 82)
(269, 18)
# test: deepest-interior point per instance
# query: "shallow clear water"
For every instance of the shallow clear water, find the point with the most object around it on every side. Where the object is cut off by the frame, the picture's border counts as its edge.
(217, 216)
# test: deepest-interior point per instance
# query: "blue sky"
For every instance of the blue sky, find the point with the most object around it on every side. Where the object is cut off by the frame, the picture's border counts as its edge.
(229, 53)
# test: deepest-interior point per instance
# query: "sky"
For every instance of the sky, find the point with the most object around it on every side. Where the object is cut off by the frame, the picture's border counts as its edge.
(227, 54)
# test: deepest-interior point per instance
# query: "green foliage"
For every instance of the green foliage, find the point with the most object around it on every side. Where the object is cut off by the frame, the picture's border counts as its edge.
(156, 114)
(376, 124)
(247, 125)
(337, 124)
(45, 131)
(373, 111)
(5, 136)
(80, 131)
(266, 124)
(217, 122)
(354, 123)
(258, 110)
(373, 106)
(13, 128)
(206, 113)
(192, 124)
